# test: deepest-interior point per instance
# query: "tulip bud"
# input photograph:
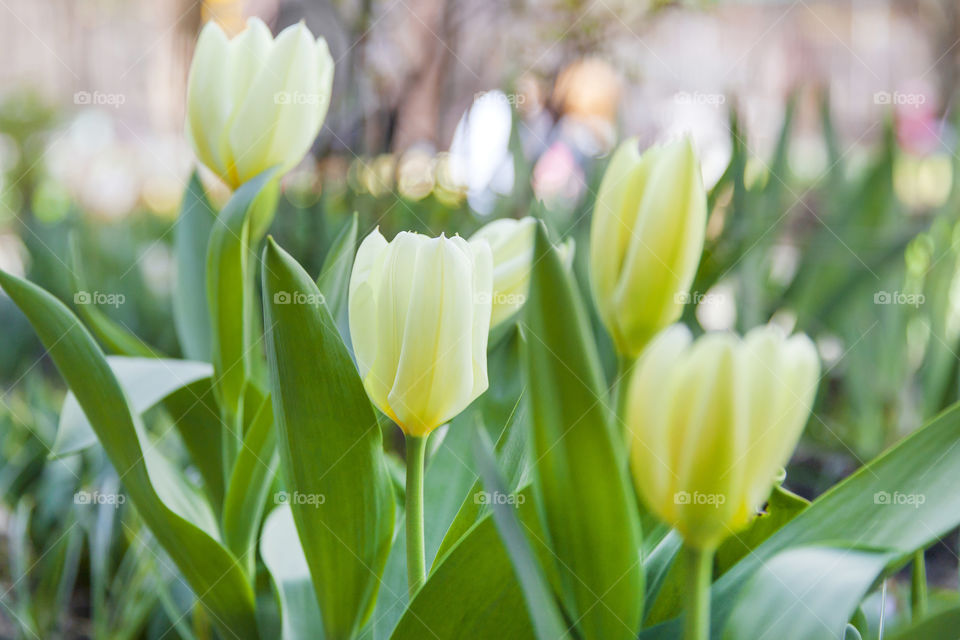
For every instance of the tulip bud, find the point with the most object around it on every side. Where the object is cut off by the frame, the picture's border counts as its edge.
(646, 239)
(254, 102)
(419, 319)
(712, 422)
(511, 242)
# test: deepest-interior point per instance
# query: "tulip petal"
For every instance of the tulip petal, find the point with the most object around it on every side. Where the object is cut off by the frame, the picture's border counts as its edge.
(208, 91)
(364, 282)
(435, 373)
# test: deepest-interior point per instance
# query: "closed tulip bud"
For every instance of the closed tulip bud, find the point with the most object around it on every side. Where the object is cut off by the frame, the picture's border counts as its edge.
(646, 239)
(712, 422)
(254, 102)
(511, 242)
(419, 319)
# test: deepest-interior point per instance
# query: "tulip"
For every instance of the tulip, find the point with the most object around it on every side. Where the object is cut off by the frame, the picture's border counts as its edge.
(511, 242)
(419, 320)
(646, 239)
(712, 421)
(255, 102)
(711, 424)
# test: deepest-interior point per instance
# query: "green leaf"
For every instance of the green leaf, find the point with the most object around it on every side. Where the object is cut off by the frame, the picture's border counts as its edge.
(284, 558)
(191, 236)
(547, 621)
(330, 445)
(900, 502)
(805, 593)
(334, 279)
(180, 520)
(195, 413)
(230, 291)
(145, 381)
(579, 474)
(250, 481)
(511, 453)
(942, 625)
(473, 591)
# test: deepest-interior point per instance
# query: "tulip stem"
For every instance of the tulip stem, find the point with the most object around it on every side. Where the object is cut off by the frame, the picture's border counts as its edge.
(918, 586)
(699, 573)
(416, 564)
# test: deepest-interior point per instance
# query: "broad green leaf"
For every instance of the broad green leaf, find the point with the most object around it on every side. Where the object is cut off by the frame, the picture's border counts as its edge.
(145, 381)
(900, 502)
(175, 513)
(511, 458)
(334, 278)
(191, 235)
(782, 507)
(942, 625)
(230, 291)
(579, 474)
(195, 413)
(547, 621)
(250, 482)
(284, 558)
(330, 446)
(473, 591)
(805, 593)
(111, 333)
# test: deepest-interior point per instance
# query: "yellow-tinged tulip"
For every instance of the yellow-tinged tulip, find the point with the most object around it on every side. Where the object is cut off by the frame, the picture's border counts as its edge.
(712, 421)
(511, 241)
(419, 319)
(256, 102)
(646, 239)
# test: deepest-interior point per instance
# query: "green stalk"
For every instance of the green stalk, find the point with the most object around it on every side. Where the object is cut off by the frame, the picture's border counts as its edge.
(918, 586)
(699, 564)
(416, 563)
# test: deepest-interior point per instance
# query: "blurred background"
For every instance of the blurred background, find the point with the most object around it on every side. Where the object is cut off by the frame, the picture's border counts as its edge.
(827, 132)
